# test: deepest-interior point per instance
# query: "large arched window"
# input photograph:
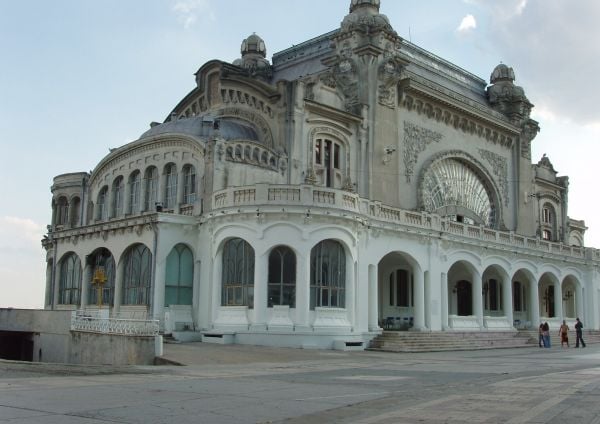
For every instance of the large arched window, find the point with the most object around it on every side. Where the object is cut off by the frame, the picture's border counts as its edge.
(327, 275)
(101, 206)
(117, 197)
(179, 277)
(70, 280)
(137, 268)
(170, 186)
(103, 261)
(453, 189)
(134, 192)
(189, 184)
(150, 188)
(282, 277)
(238, 273)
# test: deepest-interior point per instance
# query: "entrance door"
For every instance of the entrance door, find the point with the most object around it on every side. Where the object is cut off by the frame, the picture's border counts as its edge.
(464, 298)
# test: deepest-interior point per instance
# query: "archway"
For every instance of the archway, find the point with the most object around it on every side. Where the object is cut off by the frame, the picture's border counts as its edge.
(397, 291)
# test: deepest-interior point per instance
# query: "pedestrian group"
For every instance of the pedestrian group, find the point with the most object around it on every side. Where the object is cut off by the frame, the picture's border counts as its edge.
(563, 332)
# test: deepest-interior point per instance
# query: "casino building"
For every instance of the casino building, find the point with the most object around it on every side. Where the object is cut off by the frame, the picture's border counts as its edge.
(353, 183)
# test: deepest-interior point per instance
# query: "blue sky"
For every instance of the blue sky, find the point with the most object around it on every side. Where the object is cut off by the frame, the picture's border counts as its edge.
(80, 77)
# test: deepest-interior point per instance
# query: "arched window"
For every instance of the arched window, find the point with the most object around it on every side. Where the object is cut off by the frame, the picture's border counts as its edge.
(179, 278)
(518, 297)
(238, 273)
(454, 189)
(101, 259)
(150, 188)
(547, 214)
(136, 275)
(328, 159)
(62, 211)
(70, 280)
(117, 197)
(189, 184)
(75, 212)
(134, 192)
(401, 289)
(282, 277)
(170, 186)
(101, 207)
(327, 275)
(546, 235)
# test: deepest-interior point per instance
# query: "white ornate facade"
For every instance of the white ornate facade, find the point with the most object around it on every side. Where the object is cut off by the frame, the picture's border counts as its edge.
(356, 182)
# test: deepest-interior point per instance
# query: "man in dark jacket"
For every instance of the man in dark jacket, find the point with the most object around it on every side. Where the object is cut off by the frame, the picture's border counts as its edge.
(579, 333)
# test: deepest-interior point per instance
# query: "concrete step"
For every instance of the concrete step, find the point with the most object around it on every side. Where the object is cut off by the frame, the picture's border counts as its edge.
(396, 341)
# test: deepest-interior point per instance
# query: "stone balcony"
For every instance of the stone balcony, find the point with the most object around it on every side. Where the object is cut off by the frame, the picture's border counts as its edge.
(313, 200)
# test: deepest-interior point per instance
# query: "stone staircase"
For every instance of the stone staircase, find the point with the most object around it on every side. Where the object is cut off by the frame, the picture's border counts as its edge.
(414, 341)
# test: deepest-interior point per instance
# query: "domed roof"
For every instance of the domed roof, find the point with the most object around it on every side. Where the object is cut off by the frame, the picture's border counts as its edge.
(253, 45)
(204, 127)
(502, 73)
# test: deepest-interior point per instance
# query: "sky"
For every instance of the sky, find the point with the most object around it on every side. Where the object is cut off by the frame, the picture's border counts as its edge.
(80, 77)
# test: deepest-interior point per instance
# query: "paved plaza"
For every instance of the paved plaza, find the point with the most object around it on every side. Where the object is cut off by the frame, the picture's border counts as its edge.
(245, 384)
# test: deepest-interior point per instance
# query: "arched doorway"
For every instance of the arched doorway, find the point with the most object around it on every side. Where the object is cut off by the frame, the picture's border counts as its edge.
(397, 291)
(464, 298)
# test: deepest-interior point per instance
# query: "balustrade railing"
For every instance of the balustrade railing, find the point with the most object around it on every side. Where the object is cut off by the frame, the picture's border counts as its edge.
(94, 322)
(311, 196)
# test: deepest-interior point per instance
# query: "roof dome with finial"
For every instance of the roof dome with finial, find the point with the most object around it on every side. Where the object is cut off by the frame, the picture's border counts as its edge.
(254, 45)
(502, 73)
(364, 3)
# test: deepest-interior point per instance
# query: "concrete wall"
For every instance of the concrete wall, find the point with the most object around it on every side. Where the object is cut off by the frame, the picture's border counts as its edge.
(110, 349)
(53, 340)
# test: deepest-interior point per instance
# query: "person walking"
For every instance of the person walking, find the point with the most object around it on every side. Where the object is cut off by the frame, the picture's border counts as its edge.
(546, 332)
(541, 341)
(579, 333)
(563, 332)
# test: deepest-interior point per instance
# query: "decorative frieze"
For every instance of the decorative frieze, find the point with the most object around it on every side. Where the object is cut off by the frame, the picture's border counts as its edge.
(416, 140)
(500, 169)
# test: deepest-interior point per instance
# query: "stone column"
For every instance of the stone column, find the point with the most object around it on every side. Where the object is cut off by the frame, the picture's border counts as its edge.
(350, 291)
(444, 297)
(558, 300)
(534, 304)
(427, 299)
(579, 302)
(196, 294)
(373, 299)
(419, 306)
(216, 286)
(477, 298)
(302, 292)
(260, 293)
(158, 302)
(508, 299)
(118, 295)
(85, 277)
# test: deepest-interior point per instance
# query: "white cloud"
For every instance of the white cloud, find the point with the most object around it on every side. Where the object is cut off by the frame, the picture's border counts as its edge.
(467, 24)
(190, 11)
(20, 232)
(520, 7)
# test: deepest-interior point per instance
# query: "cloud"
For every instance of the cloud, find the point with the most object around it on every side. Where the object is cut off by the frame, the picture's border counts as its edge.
(549, 44)
(467, 24)
(19, 232)
(190, 11)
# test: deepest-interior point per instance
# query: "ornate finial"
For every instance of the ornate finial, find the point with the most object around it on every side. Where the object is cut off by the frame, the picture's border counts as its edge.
(357, 4)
